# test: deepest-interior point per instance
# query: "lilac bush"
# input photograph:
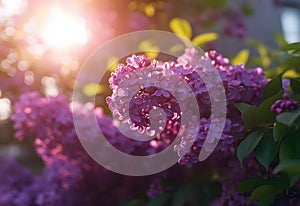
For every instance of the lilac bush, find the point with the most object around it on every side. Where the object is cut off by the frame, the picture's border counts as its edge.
(71, 177)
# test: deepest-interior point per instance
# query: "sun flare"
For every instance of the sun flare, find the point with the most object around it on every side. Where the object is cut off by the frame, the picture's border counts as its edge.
(62, 30)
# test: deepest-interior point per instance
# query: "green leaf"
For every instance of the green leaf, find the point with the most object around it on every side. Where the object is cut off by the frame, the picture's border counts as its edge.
(291, 63)
(241, 58)
(271, 187)
(180, 197)
(249, 144)
(135, 202)
(282, 182)
(297, 98)
(253, 116)
(266, 150)
(290, 146)
(293, 47)
(264, 113)
(250, 184)
(262, 192)
(290, 166)
(278, 131)
(273, 87)
(215, 3)
(280, 40)
(249, 114)
(247, 10)
(295, 85)
(288, 118)
(92, 89)
(293, 178)
(205, 38)
(282, 56)
(266, 202)
(159, 201)
(263, 51)
(150, 49)
(181, 27)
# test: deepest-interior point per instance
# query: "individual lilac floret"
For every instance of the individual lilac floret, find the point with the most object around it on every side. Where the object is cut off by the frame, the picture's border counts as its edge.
(283, 105)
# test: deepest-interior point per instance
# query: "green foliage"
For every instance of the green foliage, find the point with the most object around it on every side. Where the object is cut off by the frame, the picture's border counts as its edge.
(288, 118)
(273, 138)
(269, 188)
(248, 114)
(205, 38)
(241, 57)
(293, 48)
(290, 146)
(261, 115)
(266, 150)
(249, 144)
(263, 191)
(181, 27)
(290, 166)
(278, 131)
(273, 87)
(180, 198)
(295, 86)
(247, 10)
(250, 184)
(215, 3)
(274, 61)
(159, 201)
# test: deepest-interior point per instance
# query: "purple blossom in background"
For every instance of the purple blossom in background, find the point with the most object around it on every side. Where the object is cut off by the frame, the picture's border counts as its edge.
(155, 189)
(15, 184)
(49, 122)
(235, 26)
(285, 104)
(286, 83)
(70, 176)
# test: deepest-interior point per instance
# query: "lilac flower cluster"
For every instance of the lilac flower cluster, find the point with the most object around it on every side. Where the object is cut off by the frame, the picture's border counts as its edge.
(14, 184)
(285, 104)
(70, 176)
(52, 128)
(149, 80)
(240, 85)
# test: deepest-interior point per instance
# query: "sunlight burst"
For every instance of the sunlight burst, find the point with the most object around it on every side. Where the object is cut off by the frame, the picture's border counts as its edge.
(62, 30)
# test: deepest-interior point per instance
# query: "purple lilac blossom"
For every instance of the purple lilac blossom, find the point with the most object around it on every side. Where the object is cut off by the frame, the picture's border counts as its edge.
(15, 184)
(241, 85)
(70, 176)
(285, 104)
(235, 26)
